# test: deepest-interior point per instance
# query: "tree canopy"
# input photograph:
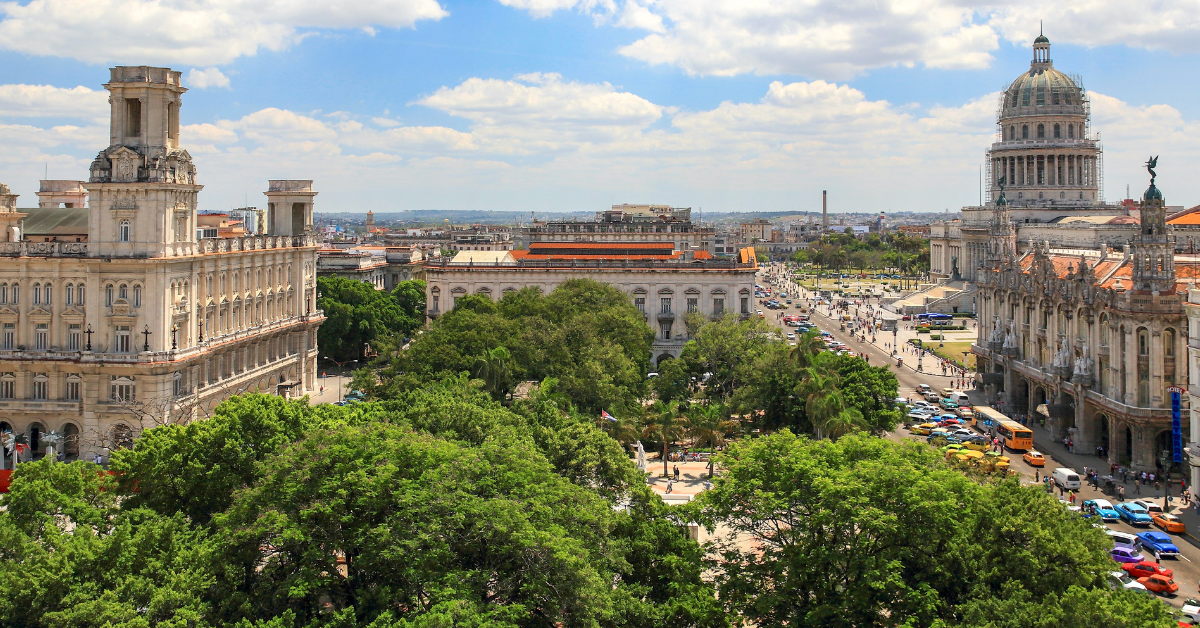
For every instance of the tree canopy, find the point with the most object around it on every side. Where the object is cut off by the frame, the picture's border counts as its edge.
(357, 314)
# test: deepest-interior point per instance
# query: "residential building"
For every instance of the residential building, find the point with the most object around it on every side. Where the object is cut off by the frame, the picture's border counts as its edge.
(632, 223)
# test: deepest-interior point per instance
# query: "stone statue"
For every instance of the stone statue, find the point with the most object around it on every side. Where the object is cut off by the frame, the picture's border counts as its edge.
(1083, 364)
(954, 267)
(997, 331)
(1010, 340)
(1062, 360)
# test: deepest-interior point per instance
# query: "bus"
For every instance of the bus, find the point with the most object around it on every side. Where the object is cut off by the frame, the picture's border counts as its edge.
(1016, 437)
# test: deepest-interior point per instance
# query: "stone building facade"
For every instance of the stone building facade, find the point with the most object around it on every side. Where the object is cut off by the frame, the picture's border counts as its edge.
(144, 323)
(663, 283)
(1088, 340)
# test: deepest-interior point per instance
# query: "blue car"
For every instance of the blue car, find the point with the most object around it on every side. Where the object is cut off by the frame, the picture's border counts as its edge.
(1155, 541)
(1133, 514)
(1101, 508)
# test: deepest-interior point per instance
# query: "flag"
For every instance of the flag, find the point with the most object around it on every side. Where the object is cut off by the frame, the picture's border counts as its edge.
(21, 448)
(606, 416)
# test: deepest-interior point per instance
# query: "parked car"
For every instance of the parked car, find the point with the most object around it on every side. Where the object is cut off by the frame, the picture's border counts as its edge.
(1167, 522)
(1133, 514)
(932, 397)
(1034, 459)
(1145, 568)
(1101, 508)
(1121, 538)
(947, 404)
(1159, 584)
(923, 429)
(924, 388)
(1155, 541)
(1121, 580)
(965, 413)
(1150, 506)
(1126, 555)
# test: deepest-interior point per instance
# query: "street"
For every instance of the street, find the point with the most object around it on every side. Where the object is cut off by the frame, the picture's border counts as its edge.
(1186, 567)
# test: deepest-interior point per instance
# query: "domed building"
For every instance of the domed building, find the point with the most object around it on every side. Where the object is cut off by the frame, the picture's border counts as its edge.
(1045, 155)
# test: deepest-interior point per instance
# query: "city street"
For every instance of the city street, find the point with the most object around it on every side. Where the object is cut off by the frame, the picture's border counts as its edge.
(1186, 567)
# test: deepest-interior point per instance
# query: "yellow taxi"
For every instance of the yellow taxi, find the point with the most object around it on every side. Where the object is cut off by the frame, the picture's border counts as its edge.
(924, 429)
(946, 392)
(965, 413)
(1167, 522)
(977, 444)
(1034, 459)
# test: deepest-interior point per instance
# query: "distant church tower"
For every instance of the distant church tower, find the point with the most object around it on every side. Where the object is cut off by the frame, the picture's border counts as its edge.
(1153, 248)
(370, 222)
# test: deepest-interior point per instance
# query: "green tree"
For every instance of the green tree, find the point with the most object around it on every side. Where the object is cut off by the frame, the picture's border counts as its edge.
(666, 424)
(355, 315)
(708, 424)
(493, 369)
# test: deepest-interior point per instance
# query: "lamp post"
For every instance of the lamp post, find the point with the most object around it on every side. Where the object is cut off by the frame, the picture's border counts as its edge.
(146, 335)
(920, 353)
(89, 333)
(201, 330)
(174, 330)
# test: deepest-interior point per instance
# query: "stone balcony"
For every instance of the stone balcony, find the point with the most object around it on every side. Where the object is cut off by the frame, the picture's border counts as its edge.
(43, 249)
(40, 405)
(256, 243)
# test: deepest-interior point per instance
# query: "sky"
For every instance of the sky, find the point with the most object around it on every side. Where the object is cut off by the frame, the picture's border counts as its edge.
(572, 105)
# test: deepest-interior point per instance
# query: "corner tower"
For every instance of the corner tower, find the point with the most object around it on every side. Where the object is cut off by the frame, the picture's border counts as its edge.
(142, 190)
(1153, 248)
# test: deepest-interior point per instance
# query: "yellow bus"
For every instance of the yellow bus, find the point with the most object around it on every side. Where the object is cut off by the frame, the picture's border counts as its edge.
(1013, 435)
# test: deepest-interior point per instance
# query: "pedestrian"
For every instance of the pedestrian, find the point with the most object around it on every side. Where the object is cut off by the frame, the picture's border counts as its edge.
(1037, 475)
(670, 485)
(1137, 488)
(1121, 493)
(676, 473)
(1157, 489)
(1072, 498)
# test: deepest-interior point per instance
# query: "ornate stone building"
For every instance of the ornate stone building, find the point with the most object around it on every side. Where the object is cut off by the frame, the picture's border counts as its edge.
(1047, 158)
(143, 322)
(1087, 340)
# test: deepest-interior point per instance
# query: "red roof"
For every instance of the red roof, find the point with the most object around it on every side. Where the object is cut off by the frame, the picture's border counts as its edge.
(601, 245)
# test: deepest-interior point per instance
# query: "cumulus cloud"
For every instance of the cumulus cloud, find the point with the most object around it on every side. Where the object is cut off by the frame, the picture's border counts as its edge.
(837, 39)
(45, 101)
(185, 32)
(204, 79)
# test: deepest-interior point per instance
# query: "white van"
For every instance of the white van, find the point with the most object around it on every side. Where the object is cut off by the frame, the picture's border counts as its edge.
(960, 398)
(1121, 539)
(1068, 479)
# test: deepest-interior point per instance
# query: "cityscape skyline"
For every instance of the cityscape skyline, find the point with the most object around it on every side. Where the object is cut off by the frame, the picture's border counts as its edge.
(562, 106)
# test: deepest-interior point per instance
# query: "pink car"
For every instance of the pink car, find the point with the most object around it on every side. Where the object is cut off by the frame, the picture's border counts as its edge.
(1126, 555)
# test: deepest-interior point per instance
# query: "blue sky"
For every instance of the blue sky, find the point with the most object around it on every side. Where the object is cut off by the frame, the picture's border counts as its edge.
(572, 104)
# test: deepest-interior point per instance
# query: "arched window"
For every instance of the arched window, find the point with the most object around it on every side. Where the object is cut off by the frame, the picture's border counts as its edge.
(37, 294)
(1012, 132)
(69, 295)
(137, 296)
(1057, 132)
(3, 293)
(1071, 131)
(123, 292)
(1169, 343)
(108, 294)
(123, 234)
(1041, 131)
(1143, 342)
(79, 292)
(1024, 131)
(47, 294)
(1161, 264)
(16, 293)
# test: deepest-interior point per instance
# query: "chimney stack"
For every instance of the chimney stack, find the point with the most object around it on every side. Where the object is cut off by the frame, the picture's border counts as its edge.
(824, 209)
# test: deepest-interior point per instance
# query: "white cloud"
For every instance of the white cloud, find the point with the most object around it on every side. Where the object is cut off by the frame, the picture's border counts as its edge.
(540, 141)
(204, 79)
(187, 32)
(45, 101)
(837, 39)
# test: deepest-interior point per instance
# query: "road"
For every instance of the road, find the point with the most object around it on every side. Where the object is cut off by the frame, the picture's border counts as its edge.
(1186, 567)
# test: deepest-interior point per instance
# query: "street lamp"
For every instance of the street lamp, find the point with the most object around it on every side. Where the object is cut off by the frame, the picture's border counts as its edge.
(920, 353)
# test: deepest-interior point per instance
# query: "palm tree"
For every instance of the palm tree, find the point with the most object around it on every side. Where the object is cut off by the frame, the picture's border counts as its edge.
(624, 431)
(807, 347)
(823, 400)
(844, 422)
(665, 423)
(493, 369)
(707, 424)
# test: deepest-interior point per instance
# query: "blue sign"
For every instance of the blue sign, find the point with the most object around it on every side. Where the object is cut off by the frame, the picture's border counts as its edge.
(1176, 427)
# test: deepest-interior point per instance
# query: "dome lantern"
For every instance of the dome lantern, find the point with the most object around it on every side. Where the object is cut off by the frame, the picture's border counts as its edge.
(1041, 48)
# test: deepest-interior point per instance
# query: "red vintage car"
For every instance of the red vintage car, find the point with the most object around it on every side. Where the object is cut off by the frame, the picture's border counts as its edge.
(1159, 584)
(1146, 568)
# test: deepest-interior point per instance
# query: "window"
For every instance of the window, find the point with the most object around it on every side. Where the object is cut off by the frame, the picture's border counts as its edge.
(1024, 131)
(745, 305)
(1057, 133)
(121, 389)
(718, 307)
(1169, 356)
(108, 295)
(1054, 100)
(73, 338)
(123, 292)
(666, 331)
(8, 386)
(137, 296)
(40, 337)
(665, 305)
(47, 294)
(16, 293)
(1071, 131)
(1025, 97)
(73, 389)
(69, 295)
(123, 232)
(122, 339)
(40, 387)
(79, 294)
(3, 293)
(1041, 130)
(179, 386)
(37, 294)
(693, 304)
(640, 304)
(9, 339)
(133, 117)
(1041, 95)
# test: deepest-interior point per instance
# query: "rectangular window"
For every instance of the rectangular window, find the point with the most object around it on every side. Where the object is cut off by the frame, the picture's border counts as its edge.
(718, 307)
(9, 340)
(122, 343)
(133, 117)
(73, 389)
(40, 338)
(666, 331)
(40, 387)
(666, 305)
(745, 305)
(640, 304)
(121, 389)
(692, 304)
(73, 338)
(8, 387)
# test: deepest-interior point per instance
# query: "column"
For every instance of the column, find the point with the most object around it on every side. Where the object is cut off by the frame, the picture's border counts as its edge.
(1052, 170)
